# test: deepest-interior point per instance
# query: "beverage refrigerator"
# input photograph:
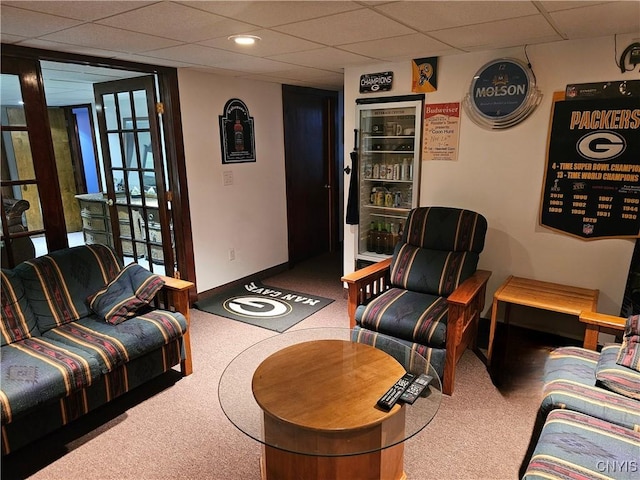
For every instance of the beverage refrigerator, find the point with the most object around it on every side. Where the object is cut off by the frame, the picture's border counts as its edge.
(389, 147)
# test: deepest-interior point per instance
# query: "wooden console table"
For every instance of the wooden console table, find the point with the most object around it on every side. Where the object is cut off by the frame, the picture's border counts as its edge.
(544, 295)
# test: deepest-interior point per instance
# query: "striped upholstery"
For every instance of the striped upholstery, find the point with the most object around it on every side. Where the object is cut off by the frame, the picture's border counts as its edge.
(439, 250)
(58, 284)
(570, 382)
(629, 355)
(18, 320)
(59, 359)
(445, 228)
(58, 412)
(579, 447)
(434, 356)
(38, 369)
(620, 379)
(118, 344)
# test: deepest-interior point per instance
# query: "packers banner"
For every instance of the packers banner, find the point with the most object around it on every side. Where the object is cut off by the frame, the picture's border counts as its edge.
(592, 180)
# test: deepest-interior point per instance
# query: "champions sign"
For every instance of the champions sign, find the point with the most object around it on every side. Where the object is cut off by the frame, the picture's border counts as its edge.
(592, 178)
(376, 82)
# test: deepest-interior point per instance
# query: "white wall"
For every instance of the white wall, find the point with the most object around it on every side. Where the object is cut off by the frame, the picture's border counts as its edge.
(500, 173)
(250, 215)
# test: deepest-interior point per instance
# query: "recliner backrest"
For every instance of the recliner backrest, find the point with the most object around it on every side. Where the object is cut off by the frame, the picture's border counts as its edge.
(439, 250)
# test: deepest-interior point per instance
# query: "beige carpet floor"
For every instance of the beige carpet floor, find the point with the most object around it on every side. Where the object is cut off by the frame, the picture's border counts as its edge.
(174, 427)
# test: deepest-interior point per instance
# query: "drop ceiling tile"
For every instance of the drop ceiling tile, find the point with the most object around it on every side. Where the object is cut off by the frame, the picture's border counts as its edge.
(272, 43)
(502, 34)
(269, 14)
(176, 21)
(63, 47)
(324, 58)
(403, 47)
(555, 5)
(427, 16)
(79, 10)
(350, 27)
(206, 56)
(108, 38)
(599, 20)
(16, 21)
(6, 38)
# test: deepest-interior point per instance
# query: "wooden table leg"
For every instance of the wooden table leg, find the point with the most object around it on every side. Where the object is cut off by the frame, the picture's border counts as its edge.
(492, 330)
(591, 337)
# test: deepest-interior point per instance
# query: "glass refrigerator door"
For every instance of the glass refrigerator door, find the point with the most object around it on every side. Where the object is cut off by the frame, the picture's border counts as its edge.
(389, 173)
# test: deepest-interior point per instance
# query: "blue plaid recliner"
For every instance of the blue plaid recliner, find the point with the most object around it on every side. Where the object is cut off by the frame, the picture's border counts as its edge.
(429, 295)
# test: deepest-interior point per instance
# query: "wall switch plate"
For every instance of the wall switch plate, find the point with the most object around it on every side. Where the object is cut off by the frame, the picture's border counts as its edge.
(232, 254)
(227, 178)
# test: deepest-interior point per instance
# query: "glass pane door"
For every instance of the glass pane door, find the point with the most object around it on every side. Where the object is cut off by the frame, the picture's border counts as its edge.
(136, 197)
(22, 219)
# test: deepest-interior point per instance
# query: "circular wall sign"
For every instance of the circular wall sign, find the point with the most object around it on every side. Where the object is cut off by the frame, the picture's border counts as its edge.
(502, 94)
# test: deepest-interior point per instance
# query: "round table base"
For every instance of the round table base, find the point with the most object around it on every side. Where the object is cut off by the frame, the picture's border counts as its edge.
(384, 464)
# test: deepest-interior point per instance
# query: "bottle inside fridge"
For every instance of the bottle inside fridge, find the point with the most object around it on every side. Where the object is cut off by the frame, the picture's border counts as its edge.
(389, 147)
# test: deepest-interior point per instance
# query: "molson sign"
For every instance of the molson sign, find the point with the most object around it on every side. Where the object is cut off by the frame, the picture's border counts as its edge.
(502, 94)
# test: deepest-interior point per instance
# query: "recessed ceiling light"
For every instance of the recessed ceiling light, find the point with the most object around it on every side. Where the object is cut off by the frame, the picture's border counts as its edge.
(244, 39)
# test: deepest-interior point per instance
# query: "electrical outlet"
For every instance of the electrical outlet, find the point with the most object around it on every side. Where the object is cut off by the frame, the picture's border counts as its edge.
(232, 254)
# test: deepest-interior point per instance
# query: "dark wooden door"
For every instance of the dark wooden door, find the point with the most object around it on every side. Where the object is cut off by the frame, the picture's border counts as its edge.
(311, 171)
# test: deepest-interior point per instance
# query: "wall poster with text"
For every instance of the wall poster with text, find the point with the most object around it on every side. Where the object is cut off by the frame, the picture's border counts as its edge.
(591, 187)
(441, 131)
(237, 138)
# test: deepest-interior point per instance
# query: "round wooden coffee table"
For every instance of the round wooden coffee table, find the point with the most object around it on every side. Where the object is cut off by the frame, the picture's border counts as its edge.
(315, 393)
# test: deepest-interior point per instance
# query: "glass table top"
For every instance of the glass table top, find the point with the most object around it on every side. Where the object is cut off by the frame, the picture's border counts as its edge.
(320, 380)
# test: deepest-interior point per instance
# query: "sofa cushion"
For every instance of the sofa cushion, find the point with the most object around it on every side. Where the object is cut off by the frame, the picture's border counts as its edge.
(445, 228)
(37, 370)
(18, 320)
(436, 272)
(617, 378)
(58, 284)
(434, 356)
(415, 317)
(117, 344)
(572, 364)
(132, 289)
(629, 355)
(577, 446)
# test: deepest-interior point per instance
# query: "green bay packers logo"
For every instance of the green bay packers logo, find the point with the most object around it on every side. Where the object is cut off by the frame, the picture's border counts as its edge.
(257, 307)
(601, 146)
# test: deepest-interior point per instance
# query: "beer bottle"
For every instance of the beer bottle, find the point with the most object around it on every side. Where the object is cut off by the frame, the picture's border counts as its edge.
(238, 134)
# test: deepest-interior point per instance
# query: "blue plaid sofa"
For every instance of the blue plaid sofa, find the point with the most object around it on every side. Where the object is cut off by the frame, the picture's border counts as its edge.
(588, 423)
(60, 360)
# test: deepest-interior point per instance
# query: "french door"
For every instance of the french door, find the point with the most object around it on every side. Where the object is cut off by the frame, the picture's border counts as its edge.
(135, 172)
(31, 205)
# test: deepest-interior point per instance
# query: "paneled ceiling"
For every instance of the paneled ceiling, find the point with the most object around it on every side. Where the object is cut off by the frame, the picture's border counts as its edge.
(305, 43)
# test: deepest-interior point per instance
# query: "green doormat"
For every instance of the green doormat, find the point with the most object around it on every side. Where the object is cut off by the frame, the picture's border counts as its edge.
(268, 307)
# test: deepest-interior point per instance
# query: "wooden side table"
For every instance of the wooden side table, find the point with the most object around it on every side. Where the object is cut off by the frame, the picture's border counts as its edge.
(554, 297)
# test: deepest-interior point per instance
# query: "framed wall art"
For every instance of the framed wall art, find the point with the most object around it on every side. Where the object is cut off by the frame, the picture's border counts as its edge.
(237, 138)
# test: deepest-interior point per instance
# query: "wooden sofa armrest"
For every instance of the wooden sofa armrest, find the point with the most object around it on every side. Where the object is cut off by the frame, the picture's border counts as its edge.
(599, 322)
(465, 307)
(175, 296)
(364, 284)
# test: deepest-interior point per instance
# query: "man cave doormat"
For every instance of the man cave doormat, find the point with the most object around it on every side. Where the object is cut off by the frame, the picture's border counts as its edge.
(273, 308)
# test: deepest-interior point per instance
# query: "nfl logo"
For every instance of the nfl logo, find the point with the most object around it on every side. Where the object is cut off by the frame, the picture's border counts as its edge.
(587, 228)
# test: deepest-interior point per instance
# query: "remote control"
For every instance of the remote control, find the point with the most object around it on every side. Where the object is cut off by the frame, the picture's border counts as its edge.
(417, 388)
(390, 398)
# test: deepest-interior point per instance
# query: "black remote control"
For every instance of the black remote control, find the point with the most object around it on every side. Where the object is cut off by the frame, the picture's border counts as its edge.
(417, 388)
(390, 398)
